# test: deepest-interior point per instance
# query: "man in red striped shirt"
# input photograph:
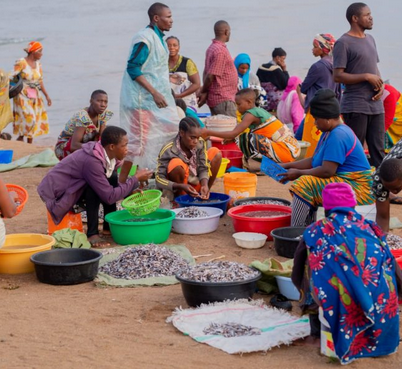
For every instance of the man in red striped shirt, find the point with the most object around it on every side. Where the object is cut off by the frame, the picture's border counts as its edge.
(220, 74)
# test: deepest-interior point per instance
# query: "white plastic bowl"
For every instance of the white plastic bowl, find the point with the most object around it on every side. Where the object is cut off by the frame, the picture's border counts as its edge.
(250, 240)
(204, 225)
(287, 288)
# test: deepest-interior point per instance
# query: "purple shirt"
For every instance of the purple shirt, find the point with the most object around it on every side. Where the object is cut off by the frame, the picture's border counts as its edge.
(319, 76)
(64, 185)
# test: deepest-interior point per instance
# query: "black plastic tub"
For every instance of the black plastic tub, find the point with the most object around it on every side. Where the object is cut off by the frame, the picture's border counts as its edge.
(286, 240)
(16, 86)
(197, 293)
(246, 200)
(66, 266)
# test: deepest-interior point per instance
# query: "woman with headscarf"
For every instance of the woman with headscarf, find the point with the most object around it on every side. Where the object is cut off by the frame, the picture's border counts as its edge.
(319, 76)
(30, 117)
(343, 265)
(247, 79)
(290, 110)
(338, 157)
(184, 77)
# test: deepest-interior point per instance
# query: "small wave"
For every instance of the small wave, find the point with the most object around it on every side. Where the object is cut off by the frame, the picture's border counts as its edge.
(18, 40)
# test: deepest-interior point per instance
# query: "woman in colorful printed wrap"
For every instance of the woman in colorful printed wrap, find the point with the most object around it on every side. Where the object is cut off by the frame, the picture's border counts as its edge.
(185, 166)
(85, 125)
(290, 110)
(319, 76)
(184, 77)
(338, 157)
(392, 100)
(30, 117)
(247, 79)
(344, 266)
(260, 133)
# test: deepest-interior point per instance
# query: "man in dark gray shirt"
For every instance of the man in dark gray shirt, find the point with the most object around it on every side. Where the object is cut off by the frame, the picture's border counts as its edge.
(355, 65)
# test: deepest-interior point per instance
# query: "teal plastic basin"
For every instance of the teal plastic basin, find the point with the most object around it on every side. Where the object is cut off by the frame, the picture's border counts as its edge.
(156, 230)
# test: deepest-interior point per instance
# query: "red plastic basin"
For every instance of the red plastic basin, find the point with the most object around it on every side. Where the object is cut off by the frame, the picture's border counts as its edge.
(243, 223)
(235, 157)
(399, 261)
(217, 142)
(396, 253)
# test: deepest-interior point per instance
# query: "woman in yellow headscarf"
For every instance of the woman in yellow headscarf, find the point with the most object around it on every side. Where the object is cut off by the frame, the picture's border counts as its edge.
(30, 116)
(6, 116)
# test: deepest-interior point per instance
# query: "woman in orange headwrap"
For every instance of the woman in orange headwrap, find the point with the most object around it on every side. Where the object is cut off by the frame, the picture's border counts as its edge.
(30, 117)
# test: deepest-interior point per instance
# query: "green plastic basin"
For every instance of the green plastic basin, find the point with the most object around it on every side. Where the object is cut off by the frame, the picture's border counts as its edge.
(156, 230)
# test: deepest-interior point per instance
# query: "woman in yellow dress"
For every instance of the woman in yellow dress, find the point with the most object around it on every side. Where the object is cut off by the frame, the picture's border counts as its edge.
(30, 117)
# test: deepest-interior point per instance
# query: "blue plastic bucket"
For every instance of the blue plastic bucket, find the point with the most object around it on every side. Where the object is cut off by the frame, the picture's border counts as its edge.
(6, 156)
(216, 200)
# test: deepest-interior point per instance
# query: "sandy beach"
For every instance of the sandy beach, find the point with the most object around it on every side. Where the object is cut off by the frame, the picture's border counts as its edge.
(84, 326)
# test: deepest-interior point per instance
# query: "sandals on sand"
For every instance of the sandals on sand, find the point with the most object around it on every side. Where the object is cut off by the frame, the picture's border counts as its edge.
(281, 302)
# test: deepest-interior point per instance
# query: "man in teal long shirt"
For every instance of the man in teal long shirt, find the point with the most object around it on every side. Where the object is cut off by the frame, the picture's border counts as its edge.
(147, 108)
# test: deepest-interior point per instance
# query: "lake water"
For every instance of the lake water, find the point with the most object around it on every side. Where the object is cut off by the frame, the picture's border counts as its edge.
(86, 42)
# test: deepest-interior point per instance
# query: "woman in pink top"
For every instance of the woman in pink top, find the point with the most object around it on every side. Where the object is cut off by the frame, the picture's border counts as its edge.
(290, 111)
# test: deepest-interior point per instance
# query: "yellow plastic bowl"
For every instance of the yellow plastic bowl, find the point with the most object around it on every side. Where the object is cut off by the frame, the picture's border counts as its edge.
(18, 248)
(222, 168)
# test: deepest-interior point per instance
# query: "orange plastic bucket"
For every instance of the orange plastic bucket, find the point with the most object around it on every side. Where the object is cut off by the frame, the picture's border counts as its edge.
(239, 185)
(71, 220)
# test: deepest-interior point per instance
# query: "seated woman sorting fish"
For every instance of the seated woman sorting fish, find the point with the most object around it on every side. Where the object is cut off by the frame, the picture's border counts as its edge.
(184, 164)
(87, 178)
(85, 125)
(343, 266)
(338, 157)
(260, 133)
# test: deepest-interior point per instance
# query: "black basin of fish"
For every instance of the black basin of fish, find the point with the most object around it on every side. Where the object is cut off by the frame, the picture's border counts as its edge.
(197, 293)
(66, 266)
(286, 240)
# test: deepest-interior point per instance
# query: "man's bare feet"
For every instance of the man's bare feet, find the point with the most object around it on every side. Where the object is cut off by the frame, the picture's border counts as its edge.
(97, 242)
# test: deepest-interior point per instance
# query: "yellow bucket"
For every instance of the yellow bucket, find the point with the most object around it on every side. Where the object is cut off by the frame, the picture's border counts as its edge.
(17, 250)
(239, 185)
(222, 168)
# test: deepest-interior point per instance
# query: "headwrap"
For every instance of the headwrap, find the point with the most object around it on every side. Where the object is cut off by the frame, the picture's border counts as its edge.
(325, 105)
(338, 195)
(293, 82)
(325, 41)
(33, 46)
(243, 59)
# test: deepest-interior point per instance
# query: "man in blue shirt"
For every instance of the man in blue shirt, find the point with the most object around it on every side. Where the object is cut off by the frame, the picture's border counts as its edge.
(148, 111)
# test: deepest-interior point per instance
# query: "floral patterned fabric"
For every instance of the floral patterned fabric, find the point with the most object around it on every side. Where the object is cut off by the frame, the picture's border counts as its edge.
(80, 119)
(30, 117)
(353, 278)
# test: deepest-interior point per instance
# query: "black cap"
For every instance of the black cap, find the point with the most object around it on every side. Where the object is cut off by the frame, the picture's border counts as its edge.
(325, 105)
